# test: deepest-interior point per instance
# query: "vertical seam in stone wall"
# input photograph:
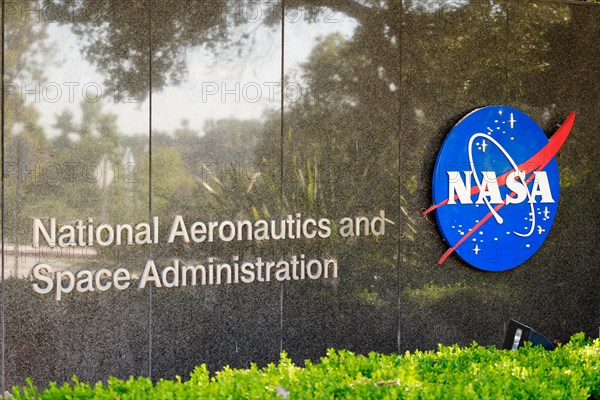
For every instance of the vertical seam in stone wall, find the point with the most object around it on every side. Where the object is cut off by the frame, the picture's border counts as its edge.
(150, 179)
(281, 158)
(399, 230)
(507, 90)
(2, 384)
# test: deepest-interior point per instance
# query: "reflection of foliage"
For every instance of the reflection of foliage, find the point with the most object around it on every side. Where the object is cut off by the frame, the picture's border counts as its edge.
(26, 49)
(372, 298)
(432, 294)
(344, 151)
(172, 187)
(118, 36)
(340, 138)
(24, 141)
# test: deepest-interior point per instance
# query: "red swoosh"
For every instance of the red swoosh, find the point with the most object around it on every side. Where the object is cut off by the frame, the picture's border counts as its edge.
(536, 163)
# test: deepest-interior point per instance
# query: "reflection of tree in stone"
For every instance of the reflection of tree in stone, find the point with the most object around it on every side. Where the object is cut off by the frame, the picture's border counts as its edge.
(25, 52)
(25, 55)
(341, 141)
(118, 40)
(572, 84)
(230, 140)
(535, 72)
(85, 143)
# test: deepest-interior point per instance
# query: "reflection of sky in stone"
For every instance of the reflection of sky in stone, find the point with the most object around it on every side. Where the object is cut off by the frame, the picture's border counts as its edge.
(259, 63)
(433, 5)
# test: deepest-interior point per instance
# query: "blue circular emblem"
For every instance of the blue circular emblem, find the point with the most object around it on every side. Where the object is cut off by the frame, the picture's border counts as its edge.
(495, 188)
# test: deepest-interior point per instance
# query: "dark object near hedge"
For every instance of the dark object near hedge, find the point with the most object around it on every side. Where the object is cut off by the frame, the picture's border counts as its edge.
(517, 334)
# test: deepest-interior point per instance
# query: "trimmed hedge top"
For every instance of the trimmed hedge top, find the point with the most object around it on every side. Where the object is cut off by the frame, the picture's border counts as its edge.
(572, 371)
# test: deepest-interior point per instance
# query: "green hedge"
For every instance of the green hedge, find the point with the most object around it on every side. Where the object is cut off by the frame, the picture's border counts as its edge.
(572, 371)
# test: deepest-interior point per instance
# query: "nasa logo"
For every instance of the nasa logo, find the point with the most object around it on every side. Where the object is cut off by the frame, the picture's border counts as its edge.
(496, 187)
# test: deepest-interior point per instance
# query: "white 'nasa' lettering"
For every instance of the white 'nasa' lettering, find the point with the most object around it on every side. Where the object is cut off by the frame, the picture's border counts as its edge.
(490, 190)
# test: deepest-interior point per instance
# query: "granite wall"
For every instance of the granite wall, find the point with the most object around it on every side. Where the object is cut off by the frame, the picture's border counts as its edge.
(225, 110)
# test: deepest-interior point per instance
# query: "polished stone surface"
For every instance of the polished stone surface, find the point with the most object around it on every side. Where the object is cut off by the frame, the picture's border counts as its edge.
(205, 169)
(522, 63)
(67, 158)
(329, 112)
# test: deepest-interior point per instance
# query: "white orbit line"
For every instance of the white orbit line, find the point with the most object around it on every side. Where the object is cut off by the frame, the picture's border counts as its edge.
(499, 219)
